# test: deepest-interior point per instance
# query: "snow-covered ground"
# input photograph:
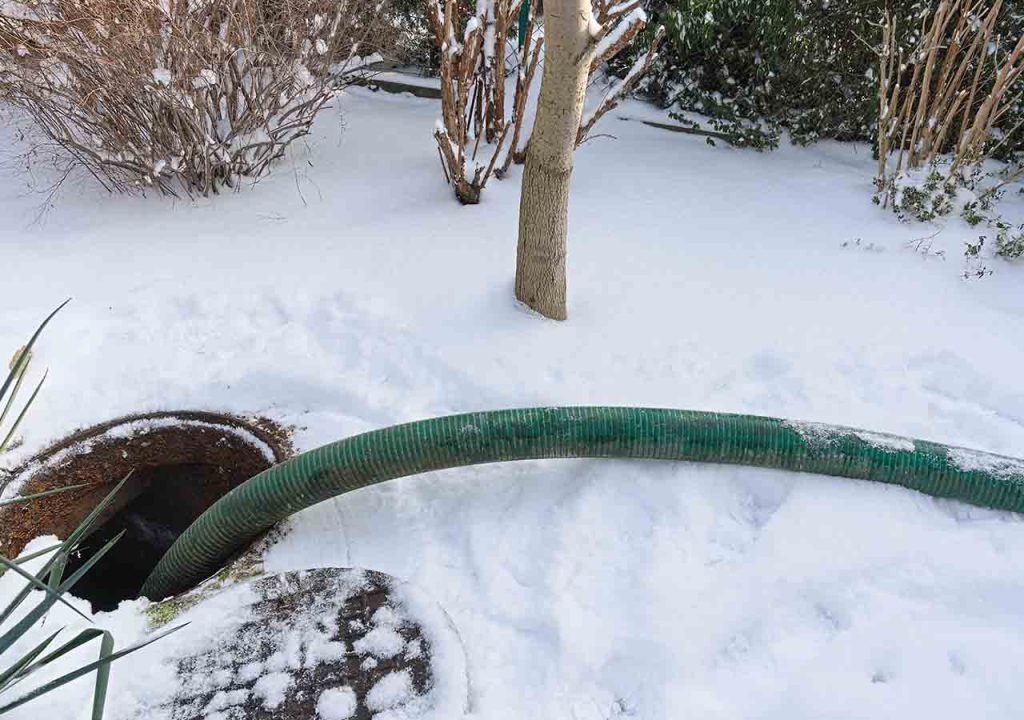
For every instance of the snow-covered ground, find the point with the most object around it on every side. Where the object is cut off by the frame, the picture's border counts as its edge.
(349, 291)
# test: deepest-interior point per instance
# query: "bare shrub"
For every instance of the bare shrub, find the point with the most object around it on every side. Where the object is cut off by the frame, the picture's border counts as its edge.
(948, 97)
(482, 130)
(180, 94)
(473, 63)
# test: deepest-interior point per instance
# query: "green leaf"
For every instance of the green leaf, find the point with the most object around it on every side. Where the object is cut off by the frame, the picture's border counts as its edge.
(22, 559)
(78, 640)
(57, 571)
(26, 351)
(99, 697)
(12, 672)
(20, 377)
(87, 565)
(86, 526)
(39, 585)
(21, 416)
(84, 670)
(45, 493)
(25, 591)
(30, 619)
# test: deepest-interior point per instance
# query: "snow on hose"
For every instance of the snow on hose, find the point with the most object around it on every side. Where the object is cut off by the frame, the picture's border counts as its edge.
(576, 432)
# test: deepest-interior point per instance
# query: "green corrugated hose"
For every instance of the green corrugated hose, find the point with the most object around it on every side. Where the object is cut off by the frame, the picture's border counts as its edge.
(576, 432)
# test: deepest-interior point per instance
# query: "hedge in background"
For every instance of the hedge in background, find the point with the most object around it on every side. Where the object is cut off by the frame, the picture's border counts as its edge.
(754, 67)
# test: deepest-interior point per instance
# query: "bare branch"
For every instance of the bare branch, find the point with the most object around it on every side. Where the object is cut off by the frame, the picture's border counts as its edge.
(194, 96)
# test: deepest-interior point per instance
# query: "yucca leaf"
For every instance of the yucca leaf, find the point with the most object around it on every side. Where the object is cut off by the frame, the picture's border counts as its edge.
(78, 640)
(44, 493)
(26, 351)
(49, 579)
(12, 672)
(87, 565)
(57, 571)
(76, 536)
(23, 626)
(22, 559)
(21, 416)
(84, 670)
(26, 623)
(25, 591)
(86, 526)
(39, 585)
(19, 378)
(99, 696)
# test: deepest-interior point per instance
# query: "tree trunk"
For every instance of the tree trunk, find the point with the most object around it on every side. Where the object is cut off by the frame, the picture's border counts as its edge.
(544, 202)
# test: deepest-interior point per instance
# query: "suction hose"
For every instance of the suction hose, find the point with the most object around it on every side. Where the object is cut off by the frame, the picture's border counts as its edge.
(576, 432)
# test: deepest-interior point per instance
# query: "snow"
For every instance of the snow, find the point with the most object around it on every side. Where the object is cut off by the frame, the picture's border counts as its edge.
(18, 11)
(636, 16)
(272, 688)
(886, 442)
(381, 642)
(250, 671)
(391, 690)
(815, 434)
(223, 700)
(205, 78)
(336, 704)
(973, 460)
(819, 434)
(303, 77)
(347, 291)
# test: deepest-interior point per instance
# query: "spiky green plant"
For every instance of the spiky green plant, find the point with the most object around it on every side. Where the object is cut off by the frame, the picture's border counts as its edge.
(12, 385)
(49, 580)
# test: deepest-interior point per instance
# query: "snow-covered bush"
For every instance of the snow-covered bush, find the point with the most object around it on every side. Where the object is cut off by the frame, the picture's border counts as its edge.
(946, 96)
(176, 94)
(413, 40)
(722, 59)
(479, 133)
(827, 85)
(941, 108)
(755, 67)
(1009, 240)
(925, 198)
(1008, 245)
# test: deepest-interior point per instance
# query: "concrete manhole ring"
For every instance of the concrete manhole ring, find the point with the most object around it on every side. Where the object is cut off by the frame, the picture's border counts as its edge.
(180, 463)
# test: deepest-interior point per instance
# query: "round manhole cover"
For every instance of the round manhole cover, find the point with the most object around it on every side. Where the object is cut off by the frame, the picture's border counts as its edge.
(325, 644)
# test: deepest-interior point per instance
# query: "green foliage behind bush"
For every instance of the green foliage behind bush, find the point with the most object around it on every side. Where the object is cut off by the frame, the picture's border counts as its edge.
(722, 59)
(754, 67)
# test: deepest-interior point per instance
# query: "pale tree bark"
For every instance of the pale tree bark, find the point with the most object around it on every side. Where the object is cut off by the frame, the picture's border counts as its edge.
(544, 202)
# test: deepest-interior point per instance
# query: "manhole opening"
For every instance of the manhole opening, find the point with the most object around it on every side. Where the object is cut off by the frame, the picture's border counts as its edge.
(180, 464)
(156, 506)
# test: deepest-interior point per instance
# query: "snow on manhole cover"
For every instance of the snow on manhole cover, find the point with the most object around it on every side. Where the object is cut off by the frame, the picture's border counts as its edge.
(326, 644)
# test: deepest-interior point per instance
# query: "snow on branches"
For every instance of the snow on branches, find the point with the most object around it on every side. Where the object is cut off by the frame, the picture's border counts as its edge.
(180, 96)
(945, 97)
(482, 130)
(473, 92)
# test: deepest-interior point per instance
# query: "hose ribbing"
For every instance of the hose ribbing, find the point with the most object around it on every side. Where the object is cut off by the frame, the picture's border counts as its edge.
(576, 432)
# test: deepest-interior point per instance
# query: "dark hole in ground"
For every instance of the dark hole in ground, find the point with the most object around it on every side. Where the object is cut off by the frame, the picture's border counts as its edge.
(161, 503)
(181, 462)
